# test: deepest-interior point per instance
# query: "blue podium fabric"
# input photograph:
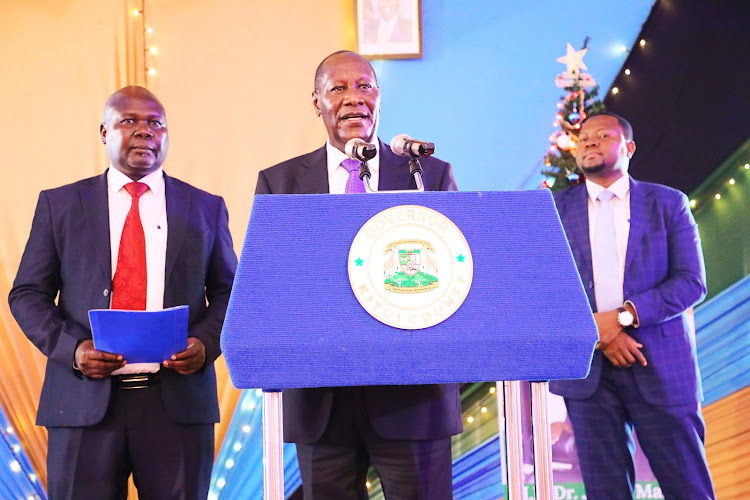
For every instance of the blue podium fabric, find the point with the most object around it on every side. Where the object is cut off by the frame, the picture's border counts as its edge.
(293, 320)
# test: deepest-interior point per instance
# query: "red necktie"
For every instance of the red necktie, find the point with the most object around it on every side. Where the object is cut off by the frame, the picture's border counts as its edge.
(129, 283)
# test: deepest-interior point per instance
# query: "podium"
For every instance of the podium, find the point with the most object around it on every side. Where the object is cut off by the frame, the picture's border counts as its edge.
(294, 320)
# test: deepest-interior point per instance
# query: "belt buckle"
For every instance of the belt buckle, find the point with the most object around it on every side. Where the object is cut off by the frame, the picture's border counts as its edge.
(135, 381)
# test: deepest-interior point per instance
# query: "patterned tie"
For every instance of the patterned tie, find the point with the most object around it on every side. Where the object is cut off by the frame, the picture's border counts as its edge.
(129, 283)
(607, 274)
(354, 184)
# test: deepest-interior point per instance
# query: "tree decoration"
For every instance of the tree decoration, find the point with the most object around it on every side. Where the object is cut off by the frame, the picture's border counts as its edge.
(560, 168)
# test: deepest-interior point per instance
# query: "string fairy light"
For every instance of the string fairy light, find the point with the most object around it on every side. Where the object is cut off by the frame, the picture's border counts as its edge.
(244, 430)
(149, 50)
(16, 464)
(721, 187)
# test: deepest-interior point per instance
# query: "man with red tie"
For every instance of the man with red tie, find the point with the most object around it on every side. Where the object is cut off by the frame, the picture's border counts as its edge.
(131, 238)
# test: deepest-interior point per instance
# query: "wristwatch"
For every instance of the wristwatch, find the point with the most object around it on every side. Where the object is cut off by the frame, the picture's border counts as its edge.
(624, 317)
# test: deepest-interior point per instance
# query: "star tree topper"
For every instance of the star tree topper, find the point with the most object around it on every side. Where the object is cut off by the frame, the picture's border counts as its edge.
(574, 62)
(573, 59)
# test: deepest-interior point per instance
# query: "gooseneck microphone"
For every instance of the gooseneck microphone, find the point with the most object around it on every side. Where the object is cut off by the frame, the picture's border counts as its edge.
(357, 149)
(403, 145)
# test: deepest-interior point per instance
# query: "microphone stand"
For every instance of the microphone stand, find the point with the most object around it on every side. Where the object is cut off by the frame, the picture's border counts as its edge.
(415, 169)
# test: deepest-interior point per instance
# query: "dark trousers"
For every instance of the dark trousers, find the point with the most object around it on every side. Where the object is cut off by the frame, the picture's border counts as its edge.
(168, 460)
(671, 437)
(335, 467)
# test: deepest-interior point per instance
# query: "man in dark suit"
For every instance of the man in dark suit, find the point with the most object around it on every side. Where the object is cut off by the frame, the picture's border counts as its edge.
(638, 252)
(106, 418)
(403, 431)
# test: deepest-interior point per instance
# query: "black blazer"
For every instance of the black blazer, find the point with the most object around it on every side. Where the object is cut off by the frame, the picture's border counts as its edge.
(69, 252)
(396, 412)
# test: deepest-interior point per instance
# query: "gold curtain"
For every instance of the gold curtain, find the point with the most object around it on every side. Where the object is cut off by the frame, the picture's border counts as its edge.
(235, 78)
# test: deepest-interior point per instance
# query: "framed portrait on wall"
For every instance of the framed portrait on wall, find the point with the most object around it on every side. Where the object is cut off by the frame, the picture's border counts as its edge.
(389, 29)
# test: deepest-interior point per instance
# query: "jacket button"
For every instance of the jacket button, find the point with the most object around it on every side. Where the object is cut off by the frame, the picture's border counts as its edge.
(105, 292)
(591, 284)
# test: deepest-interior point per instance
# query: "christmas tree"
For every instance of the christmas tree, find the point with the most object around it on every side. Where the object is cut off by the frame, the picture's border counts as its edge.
(560, 168)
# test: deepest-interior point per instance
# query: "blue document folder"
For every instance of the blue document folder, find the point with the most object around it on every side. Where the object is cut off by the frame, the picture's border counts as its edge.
(140, 336)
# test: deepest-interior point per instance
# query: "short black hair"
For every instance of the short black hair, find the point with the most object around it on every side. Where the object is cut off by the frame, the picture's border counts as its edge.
(321, 67)
(627, 129)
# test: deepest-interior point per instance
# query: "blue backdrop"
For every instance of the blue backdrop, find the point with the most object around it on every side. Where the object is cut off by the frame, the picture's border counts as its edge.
(485, 93)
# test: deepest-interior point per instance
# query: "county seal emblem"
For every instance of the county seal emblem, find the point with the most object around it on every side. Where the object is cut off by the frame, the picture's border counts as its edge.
(410, 267)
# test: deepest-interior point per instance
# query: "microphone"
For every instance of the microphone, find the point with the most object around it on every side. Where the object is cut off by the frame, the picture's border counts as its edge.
(403, 145)
(357, 149)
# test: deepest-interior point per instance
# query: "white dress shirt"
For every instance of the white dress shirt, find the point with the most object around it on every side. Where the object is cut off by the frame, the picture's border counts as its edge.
(338, 176)
(153, 210)
(620, 203)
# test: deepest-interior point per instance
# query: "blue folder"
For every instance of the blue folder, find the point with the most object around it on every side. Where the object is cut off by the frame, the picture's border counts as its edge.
(140, 336)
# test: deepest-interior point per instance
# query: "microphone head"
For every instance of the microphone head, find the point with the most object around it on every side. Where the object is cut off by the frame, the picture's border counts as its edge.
(398, 144)
(358, 149)
(350, 149)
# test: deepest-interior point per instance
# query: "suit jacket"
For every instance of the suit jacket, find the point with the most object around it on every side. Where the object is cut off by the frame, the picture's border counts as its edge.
(396, 412)
(68, 251)
(664, 276)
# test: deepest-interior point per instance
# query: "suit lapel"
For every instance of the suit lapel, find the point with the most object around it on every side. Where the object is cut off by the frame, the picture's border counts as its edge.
(312, 176)
(638, 221)
(576, 213)
(393, 171)
(95, 207)
(178, 209)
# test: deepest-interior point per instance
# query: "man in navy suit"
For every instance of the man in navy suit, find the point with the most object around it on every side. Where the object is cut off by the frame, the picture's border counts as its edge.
(638, 252)
(107, 418)
(403, 431)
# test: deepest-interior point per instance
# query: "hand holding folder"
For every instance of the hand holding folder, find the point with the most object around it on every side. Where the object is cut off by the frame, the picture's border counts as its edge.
(140, 336)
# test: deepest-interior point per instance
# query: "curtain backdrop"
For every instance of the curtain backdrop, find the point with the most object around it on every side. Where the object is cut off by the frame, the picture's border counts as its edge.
(235, 78)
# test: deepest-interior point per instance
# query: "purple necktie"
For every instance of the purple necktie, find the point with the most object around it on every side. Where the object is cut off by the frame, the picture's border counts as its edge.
(354, 184)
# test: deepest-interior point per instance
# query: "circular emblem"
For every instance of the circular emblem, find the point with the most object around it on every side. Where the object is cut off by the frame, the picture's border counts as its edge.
(410, 267)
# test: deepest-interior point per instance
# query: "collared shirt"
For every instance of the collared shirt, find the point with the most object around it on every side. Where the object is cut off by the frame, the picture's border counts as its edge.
(337, 175)
(153, 211)
(620, 203)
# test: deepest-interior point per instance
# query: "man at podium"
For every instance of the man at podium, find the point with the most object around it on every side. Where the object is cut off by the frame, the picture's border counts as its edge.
(403, 431)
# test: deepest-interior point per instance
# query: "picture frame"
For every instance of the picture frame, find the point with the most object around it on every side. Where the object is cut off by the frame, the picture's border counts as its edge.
(389, 29)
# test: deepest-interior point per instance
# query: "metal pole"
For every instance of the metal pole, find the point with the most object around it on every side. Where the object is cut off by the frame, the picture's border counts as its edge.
(500, 400)
(273, 452)
(542, 440)
(513, 439)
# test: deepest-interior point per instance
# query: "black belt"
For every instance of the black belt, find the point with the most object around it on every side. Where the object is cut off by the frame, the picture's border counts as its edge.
(135, 380)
